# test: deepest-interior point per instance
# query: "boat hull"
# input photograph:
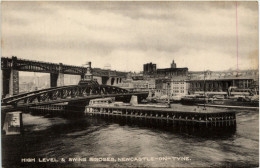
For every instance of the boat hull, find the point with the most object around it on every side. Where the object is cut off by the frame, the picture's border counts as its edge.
(228, 102)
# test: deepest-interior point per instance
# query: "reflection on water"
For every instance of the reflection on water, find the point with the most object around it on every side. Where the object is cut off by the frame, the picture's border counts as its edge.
(86, 137)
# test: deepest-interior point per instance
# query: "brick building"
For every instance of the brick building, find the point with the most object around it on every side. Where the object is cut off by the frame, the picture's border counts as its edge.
(219, 85)
(149, 69)
(172, 72)
(171, 87)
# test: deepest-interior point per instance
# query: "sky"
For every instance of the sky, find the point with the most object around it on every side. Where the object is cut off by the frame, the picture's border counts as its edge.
(126, 35)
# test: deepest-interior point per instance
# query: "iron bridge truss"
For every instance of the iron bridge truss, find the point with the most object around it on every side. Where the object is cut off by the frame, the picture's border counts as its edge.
(65, 94)
(48, 67)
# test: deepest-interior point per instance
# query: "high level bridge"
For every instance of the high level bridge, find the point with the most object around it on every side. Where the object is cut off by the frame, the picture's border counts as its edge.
(11, 66)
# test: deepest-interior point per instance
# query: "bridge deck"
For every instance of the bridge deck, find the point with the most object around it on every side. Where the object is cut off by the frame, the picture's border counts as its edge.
(48, 67)
(21, 106)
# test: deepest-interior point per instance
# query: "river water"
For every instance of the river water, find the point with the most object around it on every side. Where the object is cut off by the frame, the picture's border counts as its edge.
(120, 144)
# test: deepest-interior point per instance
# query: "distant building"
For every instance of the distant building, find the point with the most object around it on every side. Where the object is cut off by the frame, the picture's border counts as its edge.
(179, 87)
(172, 72)
(173, 81)
(149, 69)
(220, 81)
(219, 85)
(171, 87)
(135, 76)
(26, 87)
(137, 85)
(126, 85)
(138, 78)
(162, 88)
(173, 65)
(200, 75)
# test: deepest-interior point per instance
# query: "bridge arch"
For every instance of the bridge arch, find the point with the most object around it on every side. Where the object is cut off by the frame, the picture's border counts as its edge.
(36, 65)
(105, 79)
(112, 81)
(65, 94)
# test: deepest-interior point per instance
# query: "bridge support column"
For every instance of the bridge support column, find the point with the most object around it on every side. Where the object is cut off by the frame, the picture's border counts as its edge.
(10, 79)
(14, 82)
(5, 82)
(111, 81)
(105, 80)
(57, 79)
(82, 76)
(53, 80)
(60, 81)
(10, 82)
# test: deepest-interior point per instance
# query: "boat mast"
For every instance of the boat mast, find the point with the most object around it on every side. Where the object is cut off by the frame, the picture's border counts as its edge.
(204, 88)
(237, 38)
(168, 94)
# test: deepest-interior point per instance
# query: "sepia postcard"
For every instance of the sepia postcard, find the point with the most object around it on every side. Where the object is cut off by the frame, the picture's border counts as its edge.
(129, 84)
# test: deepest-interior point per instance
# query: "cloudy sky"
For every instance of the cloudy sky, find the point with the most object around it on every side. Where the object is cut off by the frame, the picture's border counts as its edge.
(197, 35)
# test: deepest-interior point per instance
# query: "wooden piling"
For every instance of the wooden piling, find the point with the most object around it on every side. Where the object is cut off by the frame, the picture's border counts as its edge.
(201, 119)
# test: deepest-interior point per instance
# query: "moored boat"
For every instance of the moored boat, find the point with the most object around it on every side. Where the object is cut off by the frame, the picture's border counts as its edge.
(235, 102)
(193, 100)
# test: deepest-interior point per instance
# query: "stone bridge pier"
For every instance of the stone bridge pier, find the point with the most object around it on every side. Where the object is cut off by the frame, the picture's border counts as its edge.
(114, 80)
(10, 80)
(57, 79)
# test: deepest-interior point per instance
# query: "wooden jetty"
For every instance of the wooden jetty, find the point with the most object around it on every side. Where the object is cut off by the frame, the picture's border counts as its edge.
(187, 115)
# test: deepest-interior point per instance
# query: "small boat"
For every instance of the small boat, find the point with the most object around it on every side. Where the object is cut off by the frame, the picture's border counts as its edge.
(240, 101)
(110, 101)
(194, 100)
(176, 99)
